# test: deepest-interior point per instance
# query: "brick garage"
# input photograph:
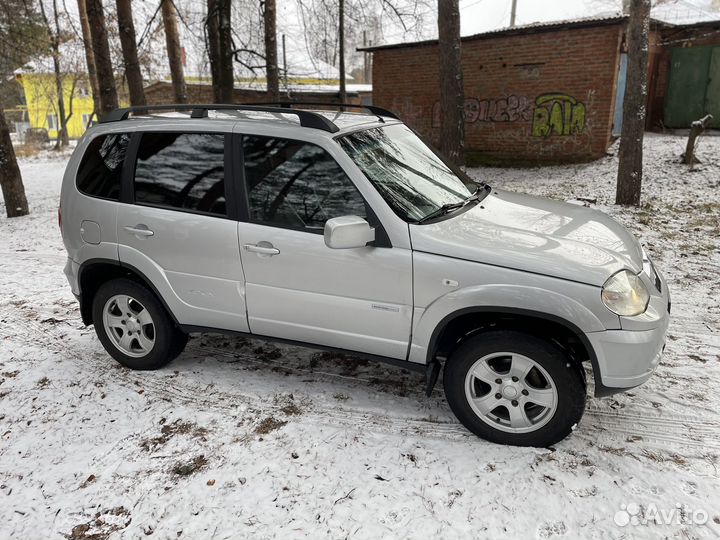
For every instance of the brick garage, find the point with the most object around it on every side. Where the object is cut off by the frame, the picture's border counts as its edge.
(543, 93)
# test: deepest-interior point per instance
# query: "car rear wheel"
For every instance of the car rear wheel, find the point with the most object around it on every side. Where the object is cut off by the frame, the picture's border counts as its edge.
(134, 327)
(514, 388)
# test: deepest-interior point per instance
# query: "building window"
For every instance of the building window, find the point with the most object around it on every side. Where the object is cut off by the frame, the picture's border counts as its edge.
(52, 122)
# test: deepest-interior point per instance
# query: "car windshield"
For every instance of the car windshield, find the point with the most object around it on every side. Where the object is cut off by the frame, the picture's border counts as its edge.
(410, 176)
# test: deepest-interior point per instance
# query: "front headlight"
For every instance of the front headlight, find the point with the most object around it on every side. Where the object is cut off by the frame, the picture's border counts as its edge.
(624, 293)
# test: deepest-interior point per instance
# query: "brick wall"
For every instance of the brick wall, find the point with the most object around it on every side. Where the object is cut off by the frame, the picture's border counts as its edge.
(544, 96)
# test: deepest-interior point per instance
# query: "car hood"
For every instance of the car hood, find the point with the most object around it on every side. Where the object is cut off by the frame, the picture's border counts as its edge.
(534, 234)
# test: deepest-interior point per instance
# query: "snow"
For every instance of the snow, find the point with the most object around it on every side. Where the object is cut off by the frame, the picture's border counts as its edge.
(242, 438)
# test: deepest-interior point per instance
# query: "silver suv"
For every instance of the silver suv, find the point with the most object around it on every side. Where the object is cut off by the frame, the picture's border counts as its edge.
(344, 231)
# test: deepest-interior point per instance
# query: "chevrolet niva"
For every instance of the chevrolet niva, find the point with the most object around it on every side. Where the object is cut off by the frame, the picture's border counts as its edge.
(344, 231)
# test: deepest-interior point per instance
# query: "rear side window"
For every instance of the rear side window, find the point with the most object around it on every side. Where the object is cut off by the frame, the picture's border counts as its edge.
(101, 166)
(182, 170)
(296, 185)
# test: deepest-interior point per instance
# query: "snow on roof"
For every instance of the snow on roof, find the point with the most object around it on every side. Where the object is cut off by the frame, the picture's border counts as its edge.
(671, 14)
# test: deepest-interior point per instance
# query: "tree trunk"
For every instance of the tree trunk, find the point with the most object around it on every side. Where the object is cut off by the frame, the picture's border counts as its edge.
(452, 101)
(89, 56)
(630, 167)
(226, 51)
(696, 129)
(10, 179)
(271, 54)
(54, 39)
(341, 50)
(129, 50)
(213, 47)
(63, 139)
(174, 51)
(103, 61)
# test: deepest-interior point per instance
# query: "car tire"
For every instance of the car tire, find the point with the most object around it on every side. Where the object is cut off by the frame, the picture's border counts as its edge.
(134, 327)
(514, 388)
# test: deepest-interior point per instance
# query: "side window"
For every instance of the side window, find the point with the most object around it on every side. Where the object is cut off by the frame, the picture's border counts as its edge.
(296, 184)
(182, 170)
(101, 166)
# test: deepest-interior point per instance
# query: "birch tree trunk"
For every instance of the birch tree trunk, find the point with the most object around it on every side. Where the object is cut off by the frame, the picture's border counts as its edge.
(271, 54)
(103, 60)
(630, 167)
(174, 51)
(129, 50)
(10, 179)
(89, 56)
(452, 101)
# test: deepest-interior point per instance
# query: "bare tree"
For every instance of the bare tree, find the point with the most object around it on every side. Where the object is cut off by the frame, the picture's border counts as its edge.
(220, 49)
(130, 54)
(271, 54)
(452, 122)
(103, 62)
(53, 29)
(10, 180)
(22, 35)
(212, 37)
(174, 51)
(89, 56)
(630, 167)
(226, 51)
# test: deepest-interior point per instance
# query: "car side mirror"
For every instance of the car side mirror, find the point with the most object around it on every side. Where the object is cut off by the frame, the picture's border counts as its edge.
(346, 232)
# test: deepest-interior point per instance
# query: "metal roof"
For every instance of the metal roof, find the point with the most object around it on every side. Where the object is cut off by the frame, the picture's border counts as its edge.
(532, 28)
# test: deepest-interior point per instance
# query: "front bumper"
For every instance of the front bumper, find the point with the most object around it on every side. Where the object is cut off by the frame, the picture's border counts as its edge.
(628, 357)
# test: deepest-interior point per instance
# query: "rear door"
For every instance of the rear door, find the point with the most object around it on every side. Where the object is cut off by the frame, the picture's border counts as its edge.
(298, 288)
(177, 226)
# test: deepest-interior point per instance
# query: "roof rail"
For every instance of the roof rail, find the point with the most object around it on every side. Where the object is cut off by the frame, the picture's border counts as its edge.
(307, 118)
(377, 111)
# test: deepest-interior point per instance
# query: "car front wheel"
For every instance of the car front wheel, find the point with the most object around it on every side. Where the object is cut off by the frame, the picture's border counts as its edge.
(514, 388)
(134, 327)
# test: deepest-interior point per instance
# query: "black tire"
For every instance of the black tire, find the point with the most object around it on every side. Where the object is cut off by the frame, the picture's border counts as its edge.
(169, 340)
(565, 373)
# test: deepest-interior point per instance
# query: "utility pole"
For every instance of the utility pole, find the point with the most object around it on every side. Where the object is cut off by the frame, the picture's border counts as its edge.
(285, 70)
(513, 10)
(341, 46)
(365, 58)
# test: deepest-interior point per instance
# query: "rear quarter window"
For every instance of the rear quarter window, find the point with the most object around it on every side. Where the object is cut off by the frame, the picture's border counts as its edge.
(101, 166)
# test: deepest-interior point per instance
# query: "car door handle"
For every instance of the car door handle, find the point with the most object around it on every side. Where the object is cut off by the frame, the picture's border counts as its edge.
(139, 230)
(262, 250)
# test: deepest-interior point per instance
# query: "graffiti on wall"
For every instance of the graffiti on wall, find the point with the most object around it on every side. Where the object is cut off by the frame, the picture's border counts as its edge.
(557, 114)
(551, 114)
(507, 109)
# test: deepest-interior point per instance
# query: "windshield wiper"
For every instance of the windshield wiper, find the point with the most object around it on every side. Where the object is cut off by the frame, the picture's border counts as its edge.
(449, 207)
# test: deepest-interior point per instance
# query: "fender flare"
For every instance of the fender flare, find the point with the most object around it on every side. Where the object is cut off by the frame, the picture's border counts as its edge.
(575, 317)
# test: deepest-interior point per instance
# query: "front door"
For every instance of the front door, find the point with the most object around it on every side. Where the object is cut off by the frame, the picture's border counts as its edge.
(299, 289)
(175, 228)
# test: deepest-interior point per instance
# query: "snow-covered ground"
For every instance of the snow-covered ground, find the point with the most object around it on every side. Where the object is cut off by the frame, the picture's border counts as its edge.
(239, 438)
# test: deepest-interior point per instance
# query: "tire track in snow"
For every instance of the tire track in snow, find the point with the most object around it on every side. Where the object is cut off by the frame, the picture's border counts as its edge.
(675, 429)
